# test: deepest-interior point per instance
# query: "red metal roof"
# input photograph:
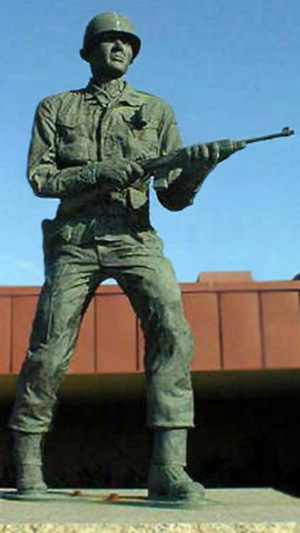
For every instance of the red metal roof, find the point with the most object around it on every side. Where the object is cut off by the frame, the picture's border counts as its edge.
(237, 325)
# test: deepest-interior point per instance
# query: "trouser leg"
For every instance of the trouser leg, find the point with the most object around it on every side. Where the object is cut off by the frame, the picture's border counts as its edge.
(155, 295)
(68, 289)
(156, 298)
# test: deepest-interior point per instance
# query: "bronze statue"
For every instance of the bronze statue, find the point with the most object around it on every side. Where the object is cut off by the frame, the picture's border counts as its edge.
(89, 148)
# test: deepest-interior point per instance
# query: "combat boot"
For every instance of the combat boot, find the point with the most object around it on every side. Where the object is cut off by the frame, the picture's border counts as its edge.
(28, 462)
(168, 479)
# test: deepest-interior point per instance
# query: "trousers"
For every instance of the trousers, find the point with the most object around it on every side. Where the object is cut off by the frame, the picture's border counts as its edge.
(72, 274)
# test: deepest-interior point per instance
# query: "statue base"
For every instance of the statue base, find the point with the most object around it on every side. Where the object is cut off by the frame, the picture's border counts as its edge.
(111, 498)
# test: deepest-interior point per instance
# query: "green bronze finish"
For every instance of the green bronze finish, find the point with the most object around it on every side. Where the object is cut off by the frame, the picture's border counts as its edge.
(88, 149)
(28, 463)
(107, 23)
(167, 478)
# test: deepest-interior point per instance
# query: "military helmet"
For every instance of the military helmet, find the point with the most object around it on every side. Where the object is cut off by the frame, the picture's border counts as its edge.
(107, 22)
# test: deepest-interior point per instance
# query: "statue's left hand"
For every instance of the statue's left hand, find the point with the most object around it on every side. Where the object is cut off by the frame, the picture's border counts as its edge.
(203, 157)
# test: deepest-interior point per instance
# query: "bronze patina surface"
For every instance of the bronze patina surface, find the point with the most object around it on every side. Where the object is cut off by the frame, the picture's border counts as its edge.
(87, 149)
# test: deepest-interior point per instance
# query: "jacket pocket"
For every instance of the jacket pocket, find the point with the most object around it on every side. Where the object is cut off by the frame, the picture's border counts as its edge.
(140, 133)
(56, 233)
(72, 143)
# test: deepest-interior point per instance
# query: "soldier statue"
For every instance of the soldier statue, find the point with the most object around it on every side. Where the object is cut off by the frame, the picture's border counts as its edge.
(87, 150)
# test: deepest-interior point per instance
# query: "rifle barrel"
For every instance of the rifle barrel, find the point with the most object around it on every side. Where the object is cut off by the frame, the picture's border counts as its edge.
(286, 132)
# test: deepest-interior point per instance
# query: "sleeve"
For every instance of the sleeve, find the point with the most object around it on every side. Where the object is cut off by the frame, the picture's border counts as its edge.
(44, 176)
(175, 189)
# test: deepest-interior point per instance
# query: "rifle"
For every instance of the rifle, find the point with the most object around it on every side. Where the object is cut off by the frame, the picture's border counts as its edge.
(170, 161)
(226, 147)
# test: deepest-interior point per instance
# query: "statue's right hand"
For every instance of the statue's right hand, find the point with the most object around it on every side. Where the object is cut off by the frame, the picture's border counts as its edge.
(118, 174)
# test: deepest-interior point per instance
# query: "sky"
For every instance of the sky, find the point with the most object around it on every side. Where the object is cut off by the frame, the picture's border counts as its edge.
(228, 68)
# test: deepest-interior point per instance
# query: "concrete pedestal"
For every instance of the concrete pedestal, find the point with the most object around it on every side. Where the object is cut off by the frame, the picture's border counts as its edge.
(225, 511)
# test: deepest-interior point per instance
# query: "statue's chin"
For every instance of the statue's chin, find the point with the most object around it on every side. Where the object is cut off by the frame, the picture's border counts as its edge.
(113, 72)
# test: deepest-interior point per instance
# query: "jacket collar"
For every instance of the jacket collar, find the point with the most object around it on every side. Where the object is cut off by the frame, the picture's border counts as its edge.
(128, 96)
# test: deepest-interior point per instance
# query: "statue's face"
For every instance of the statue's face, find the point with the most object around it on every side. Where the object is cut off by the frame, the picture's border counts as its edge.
(111, 55)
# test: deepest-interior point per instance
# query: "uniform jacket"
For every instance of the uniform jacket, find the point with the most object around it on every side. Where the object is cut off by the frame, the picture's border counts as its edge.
(74, 129)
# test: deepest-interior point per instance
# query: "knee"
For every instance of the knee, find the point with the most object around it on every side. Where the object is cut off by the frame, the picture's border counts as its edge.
(173, 325)
(42, 363)
(169, 349)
